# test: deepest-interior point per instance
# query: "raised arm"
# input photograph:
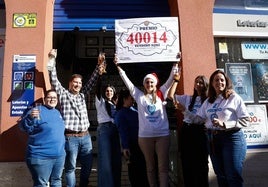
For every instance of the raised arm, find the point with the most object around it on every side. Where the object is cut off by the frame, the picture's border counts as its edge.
(173, 87)
(99, 70)
(51, 66)
(124, 77)
(175, 70)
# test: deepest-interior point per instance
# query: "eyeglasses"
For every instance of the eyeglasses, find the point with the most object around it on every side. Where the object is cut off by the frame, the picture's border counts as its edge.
(52, 98)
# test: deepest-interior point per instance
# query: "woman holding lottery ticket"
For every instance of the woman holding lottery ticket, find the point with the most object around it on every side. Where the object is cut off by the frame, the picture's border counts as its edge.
(153, 135)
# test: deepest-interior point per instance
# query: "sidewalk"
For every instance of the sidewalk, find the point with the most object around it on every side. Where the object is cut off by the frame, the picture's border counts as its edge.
(16, 174)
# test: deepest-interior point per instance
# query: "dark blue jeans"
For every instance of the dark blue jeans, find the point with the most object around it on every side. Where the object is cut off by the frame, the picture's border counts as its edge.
(194, 155)
(109, 156)
(227, 153)
(78, 148)
(46, 170)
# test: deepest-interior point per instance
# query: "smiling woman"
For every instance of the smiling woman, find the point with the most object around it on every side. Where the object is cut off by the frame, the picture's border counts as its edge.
(45, 154)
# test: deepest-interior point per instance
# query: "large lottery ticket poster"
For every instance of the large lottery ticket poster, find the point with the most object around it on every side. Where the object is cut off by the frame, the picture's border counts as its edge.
(153, 39)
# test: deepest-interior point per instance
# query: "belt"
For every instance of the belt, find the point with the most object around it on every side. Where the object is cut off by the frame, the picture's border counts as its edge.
(75, 133)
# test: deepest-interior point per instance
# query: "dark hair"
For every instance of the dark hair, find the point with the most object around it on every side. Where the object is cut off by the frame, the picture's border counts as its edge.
(114, 99)
(75, 76)
(114, 90)
(228, 90)
(123, 94)
(203, 93)
(48, 91)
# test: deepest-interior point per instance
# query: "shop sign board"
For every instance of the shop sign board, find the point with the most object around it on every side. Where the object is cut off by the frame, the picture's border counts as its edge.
(231, 24)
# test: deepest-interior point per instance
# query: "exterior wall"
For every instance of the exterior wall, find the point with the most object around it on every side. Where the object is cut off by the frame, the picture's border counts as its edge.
(197, 48)
(36, 41)
(197, 45)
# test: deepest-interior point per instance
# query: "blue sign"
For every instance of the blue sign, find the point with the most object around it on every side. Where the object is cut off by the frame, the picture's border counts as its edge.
(22, 88)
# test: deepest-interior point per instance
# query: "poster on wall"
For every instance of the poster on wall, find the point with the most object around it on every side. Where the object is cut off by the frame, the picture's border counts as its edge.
(22, 88)
(241, 76)
(261, 78)
(256, 133)
(147, 39)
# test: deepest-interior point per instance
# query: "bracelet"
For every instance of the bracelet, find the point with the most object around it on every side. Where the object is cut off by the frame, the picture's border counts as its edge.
(176, 80)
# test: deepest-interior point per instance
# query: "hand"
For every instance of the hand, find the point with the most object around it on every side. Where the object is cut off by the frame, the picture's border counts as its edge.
(102, 69)
(52, 53)
(179, 106)
(177, 74)
(115, 59)
(102, 63)
(101, 58)
(218, 123)
(178, 57)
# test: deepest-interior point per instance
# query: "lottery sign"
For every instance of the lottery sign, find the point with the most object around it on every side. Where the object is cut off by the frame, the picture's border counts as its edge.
(147, 39)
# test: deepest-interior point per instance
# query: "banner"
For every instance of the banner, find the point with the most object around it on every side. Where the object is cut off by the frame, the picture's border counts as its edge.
(257, 131)
(153, 39)
(241, 76)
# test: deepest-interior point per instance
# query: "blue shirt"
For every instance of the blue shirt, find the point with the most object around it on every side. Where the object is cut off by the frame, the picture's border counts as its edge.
(127, 122)
(46, 136)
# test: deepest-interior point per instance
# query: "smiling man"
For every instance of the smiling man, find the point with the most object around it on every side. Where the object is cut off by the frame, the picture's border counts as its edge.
(74, 111)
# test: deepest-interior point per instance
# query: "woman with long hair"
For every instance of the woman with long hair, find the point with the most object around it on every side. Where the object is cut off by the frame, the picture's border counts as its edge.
(154, 138)
(109, 150)
(193, 137)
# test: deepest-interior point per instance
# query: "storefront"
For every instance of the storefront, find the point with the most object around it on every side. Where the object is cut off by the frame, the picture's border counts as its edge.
(241, 45)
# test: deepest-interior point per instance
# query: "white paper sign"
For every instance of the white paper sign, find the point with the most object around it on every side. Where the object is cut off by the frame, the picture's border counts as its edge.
(257, 131)
(147, 39)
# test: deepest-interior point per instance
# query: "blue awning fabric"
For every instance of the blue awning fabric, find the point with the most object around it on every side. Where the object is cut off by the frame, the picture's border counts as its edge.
(95, 14)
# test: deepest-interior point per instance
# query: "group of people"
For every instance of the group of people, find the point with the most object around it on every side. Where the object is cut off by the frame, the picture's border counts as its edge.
(213, 115)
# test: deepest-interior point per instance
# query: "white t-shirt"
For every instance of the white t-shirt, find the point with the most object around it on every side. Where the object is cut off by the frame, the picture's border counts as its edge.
(227, 110)
(102, 114)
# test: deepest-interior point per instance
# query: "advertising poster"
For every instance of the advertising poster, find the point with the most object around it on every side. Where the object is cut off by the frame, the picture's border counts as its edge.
(261, 78)
(241, 76)
(23, 76)
(257, 131)
(147, 39)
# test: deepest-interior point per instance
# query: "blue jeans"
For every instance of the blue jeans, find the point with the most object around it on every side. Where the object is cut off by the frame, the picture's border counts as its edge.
(109, 156)
(78, 148)
(44, 170)
(227, 153)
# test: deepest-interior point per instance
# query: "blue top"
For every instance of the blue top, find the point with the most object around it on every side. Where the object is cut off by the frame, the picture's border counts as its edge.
(46, 136)
(127, 122)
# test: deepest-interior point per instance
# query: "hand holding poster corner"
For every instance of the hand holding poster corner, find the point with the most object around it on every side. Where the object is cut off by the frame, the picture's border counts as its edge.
(153, 39)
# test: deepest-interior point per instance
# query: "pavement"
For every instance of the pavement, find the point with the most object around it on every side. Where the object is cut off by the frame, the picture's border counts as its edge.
(16, 174)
